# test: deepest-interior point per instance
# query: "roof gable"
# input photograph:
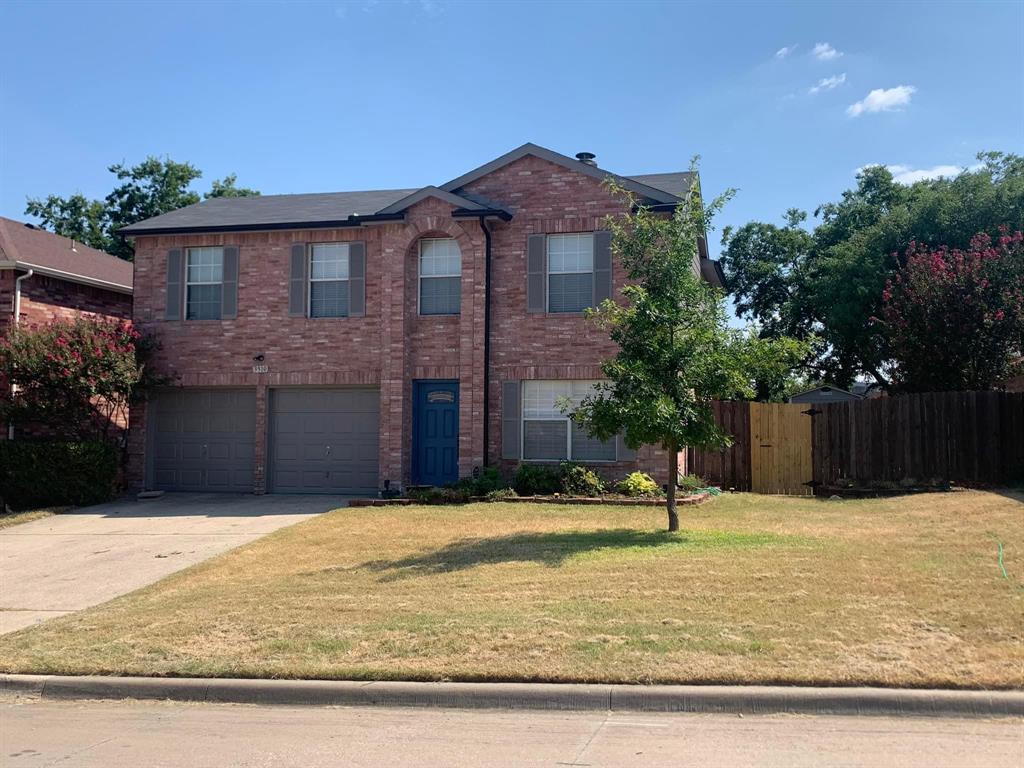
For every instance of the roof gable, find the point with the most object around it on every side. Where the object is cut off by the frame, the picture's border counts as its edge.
(644, 190)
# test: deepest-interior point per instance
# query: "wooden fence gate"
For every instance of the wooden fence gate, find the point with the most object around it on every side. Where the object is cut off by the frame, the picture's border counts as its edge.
(781, 449)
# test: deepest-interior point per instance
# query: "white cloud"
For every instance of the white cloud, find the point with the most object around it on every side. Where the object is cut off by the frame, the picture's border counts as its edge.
(882, 100)
(785, 51)
(825, 52)
(828, 83)
(904, 174)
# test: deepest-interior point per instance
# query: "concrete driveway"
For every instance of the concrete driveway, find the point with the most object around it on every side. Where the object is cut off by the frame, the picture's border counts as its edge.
(72, 561)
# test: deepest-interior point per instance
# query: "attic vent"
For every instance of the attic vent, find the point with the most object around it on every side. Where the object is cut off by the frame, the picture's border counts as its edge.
(586, 157)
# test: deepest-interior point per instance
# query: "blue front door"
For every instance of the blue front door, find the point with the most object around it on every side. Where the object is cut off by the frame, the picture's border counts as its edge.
(435, 444)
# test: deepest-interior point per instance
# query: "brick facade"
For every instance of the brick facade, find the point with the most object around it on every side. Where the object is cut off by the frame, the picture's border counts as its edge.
(44, 299)
(392, 345)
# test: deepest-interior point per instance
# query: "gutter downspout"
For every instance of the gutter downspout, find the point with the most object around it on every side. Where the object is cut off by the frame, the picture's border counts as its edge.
(487, 337)
(17, 320)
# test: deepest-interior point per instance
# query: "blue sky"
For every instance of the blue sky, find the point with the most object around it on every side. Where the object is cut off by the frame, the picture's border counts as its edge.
(304, 97)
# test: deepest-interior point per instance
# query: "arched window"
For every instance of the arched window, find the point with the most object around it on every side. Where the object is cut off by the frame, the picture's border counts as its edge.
(440, 276)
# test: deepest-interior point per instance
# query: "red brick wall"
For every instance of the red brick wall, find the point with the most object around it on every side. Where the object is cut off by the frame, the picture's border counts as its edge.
(392, 345)
(44, 299)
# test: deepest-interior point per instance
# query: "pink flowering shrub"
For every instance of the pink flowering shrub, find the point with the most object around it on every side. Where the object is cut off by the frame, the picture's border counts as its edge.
(954, 320)
(74, 377)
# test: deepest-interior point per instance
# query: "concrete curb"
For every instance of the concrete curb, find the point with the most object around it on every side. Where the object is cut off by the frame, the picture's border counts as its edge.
(754, 700)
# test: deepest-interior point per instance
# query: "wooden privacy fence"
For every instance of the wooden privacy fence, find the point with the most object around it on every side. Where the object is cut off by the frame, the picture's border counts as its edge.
(729, 468)
(974, 438)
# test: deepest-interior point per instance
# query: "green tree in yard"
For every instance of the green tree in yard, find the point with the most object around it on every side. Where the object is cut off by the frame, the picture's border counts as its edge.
(676, 351)
(151, 188)
(829, 281)
(227, 188)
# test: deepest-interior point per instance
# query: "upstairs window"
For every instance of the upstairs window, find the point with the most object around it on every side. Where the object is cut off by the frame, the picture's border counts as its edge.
(204, 283)
(328, 280)
(570, 272)
(440, 277)
(549, 434)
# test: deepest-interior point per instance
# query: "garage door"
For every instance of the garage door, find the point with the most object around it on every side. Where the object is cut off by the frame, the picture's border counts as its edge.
(324, 440)
(203, 440)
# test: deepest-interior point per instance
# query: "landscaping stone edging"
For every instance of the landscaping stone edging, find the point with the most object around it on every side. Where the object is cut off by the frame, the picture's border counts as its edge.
(683, 501)
(748, 699)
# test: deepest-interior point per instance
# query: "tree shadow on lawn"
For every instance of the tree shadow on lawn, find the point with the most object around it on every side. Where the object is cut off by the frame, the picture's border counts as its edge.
(554, 548)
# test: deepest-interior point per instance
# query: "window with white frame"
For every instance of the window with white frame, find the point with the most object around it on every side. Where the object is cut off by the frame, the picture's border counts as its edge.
(549, 434)
(204, 283)
(570, 272)
(328, 280)
(440, 277)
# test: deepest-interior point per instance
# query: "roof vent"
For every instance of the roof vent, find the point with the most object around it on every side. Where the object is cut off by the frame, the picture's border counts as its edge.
(586, 157)
(29, 225)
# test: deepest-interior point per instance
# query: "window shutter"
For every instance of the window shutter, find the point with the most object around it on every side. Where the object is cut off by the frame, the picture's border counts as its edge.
(536, 273)
(510, 420)
(357, 279)
(602, 266)
(297, 284)
(622, 451)
(229, 288)
(175, 269)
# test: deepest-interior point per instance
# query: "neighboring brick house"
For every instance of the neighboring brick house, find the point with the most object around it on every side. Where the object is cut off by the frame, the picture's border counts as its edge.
(46, 277)
(60, 278)
(340, 342)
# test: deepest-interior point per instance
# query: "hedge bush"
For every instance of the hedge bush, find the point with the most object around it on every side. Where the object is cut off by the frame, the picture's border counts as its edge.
(537, 480)
(638, 484)
(37, 474)
(578, 480)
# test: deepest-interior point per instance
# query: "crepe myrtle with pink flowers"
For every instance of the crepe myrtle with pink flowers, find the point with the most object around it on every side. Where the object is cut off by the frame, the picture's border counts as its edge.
(75, 378)
(954, 319)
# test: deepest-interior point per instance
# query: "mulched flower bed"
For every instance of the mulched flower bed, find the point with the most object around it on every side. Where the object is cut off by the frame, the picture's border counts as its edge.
(614, 501)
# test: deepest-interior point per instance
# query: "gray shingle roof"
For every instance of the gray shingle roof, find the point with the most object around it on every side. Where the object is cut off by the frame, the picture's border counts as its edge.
(272, 209)
(335, 208)
(677, 184)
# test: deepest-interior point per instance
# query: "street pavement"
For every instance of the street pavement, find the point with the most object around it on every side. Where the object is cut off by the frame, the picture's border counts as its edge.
(122, 734)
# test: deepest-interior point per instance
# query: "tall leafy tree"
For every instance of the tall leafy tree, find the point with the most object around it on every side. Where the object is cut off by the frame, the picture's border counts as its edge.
(829, 281)
(151, 188)
(227, 187)
(676, 350)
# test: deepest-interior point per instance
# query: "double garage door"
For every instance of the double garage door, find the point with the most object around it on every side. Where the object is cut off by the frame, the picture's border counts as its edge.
(319, 440)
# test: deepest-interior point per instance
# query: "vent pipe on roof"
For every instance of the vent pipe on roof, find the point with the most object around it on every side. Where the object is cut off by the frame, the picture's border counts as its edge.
(586, 157)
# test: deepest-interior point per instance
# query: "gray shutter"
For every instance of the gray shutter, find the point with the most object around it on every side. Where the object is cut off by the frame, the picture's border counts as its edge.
(174, 292)
(602, 266)
(229, 284)
(357, 279)
(510, 420)
(622, 451)
(297, 284)
(536, 273)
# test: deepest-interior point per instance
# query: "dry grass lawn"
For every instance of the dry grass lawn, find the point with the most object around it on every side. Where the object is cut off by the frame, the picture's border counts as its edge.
(905, 591)
(7, 519)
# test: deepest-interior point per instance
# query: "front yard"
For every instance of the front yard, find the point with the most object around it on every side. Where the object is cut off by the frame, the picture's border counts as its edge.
(903, 591)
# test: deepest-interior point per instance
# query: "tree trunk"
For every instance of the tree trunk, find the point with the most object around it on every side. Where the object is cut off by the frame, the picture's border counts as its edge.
(670, 502)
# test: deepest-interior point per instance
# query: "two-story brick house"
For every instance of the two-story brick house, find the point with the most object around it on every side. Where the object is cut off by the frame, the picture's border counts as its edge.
(348, 341)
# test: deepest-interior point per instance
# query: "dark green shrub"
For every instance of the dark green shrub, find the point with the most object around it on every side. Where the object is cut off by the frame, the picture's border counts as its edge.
(578, 480)
(691, 483)
(487, 480)
(638, 484)
(537, 480)
(37, 474)
(449, 495)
